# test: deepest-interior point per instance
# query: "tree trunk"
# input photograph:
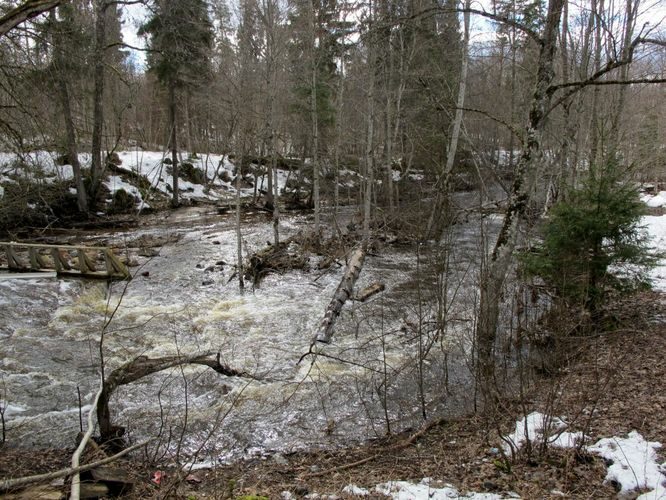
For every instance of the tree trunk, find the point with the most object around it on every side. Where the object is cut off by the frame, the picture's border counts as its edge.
(72, 148)
(96, 167)
(25, 11)
(239, 234)
(597, 9)
(68, 117)
(344, 292)
(370, 124)
(142, 367)
(568, 164)
(441, 200)
(497, 268)
(631, 12)
(339, 105)
(173, 142)
(389, 67)
(457, 122)
(188, 124)
(314, 118)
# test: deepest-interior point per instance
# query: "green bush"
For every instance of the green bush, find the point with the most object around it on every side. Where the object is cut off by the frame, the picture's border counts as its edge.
(593, 242)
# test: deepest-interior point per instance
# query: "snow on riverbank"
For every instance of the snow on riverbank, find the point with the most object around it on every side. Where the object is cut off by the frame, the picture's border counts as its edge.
(654, 201)
(632, 461)
(116, 183)
(656, 229)
(632, 465)
(218, 171)
(426, 489)
(537, 427)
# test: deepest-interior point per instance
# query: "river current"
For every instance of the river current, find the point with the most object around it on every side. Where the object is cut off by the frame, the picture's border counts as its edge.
(392, 358)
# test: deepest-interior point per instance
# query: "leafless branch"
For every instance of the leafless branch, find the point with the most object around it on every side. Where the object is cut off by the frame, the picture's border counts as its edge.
(25, 11)
(10, 484)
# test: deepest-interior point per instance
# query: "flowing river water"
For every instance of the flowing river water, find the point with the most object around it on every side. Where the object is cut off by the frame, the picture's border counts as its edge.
(387, 366)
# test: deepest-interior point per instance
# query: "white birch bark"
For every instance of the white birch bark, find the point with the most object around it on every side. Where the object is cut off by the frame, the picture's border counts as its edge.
(343, 292)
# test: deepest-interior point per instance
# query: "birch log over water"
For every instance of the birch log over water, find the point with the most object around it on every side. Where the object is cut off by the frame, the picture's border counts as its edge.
(343, 293)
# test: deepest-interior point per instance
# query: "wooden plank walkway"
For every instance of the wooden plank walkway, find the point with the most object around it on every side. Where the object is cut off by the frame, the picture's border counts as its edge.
(69, 260)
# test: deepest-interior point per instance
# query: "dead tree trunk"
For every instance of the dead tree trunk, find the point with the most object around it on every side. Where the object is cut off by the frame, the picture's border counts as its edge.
(142, 367)
(344, 292)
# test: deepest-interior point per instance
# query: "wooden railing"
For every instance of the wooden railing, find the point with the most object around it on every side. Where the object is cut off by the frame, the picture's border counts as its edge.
(64, 259)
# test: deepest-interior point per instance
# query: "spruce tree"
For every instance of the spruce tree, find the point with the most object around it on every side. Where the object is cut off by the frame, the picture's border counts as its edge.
(181, 39)
(593, 242)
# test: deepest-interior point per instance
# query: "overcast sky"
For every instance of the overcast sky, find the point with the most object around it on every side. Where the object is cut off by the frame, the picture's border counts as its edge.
(652, 15)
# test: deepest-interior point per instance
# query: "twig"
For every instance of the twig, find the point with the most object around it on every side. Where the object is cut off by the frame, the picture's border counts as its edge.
(343, 467)
(398, 446)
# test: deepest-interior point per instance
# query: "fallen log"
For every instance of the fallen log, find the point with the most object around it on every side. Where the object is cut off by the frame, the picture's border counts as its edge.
(141, 367)
(342, 294)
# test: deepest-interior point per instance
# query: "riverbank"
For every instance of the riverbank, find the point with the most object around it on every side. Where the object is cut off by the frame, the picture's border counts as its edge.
(610, 388)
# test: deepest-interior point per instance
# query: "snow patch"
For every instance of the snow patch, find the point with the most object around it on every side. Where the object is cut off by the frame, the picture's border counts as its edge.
(195, 466)
(116, 183)
(654, 201)
(352, 489)
(404, 490)
(536, 427)
(633, 464)
(656, 229)
(633, 460)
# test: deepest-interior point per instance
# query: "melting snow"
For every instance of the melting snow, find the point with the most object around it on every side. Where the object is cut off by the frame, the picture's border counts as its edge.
(216, 168)
(537, 426)
(116, 183)
(634, 464)
(633, 460)
(404, 490)
(654, 201)
(656, 228)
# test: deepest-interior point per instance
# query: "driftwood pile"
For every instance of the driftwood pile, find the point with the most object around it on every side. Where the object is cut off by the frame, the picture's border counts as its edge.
(275, 259)
(295, 253)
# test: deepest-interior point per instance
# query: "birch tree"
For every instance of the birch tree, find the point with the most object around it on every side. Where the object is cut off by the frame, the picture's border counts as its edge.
(497, 267)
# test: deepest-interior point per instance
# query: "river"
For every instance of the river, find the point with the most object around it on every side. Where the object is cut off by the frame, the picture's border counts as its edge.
(374, 376)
